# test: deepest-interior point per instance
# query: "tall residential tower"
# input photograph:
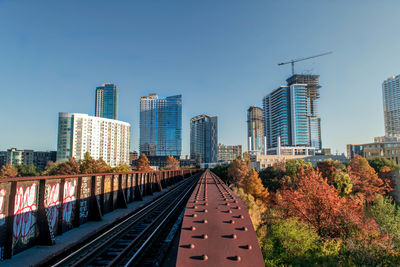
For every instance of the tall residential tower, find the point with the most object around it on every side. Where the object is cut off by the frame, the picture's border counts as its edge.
(161, 125)
(107, 101)
(102, 138)
(204, 139)
(391, 105)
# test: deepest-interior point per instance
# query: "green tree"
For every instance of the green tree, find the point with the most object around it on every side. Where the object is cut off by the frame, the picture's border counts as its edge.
(387, 215)
(8, 171)
(271, 177)
(290, 242)
(28, 170)
(222, 172)
(379, 162)
(293, 165)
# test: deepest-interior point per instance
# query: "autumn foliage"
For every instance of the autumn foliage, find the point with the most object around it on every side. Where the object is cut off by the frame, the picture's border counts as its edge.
(327, 215)
(319, 204)
(143, 163)
(172, 163)
(366, 182)
(8, 171)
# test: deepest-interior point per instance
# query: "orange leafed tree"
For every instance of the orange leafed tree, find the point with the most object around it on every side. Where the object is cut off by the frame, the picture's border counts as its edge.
(252, 185)
(172, 163)
(8, 171)
(238, 170)
(316, 202)
(63, 168)
(143, 163)
(366, 182)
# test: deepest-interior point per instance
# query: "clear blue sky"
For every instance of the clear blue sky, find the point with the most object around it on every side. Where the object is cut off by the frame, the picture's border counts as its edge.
(221, 55)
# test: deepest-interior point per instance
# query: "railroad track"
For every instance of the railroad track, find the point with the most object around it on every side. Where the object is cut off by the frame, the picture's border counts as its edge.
(126, 243)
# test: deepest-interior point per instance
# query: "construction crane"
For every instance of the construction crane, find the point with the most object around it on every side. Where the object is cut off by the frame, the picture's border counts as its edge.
(301, 59)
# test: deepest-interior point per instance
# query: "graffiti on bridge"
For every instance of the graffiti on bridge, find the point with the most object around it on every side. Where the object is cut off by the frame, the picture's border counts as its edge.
(52, 204)
(69, 202)
(24, 224)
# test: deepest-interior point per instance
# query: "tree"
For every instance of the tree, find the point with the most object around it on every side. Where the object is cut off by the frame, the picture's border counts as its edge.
(28, 170)
(366, 183)
(143, 163)
(222, 172)
(90, 165)
(238, 170)
(256, 208)
(252, 185)
(63, 168)
(290, 242)
(379, 162)
(316, 202)
(172, 163)
(8, 171)
(335, 175)
(293, 165)
(271, 177)
(387, 215)
(121, 168)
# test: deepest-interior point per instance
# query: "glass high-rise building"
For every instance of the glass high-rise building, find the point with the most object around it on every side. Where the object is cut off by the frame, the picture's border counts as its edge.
(391, 105)
(204, 139)
(255, 130)
(161, 125)
(107, 101)
(291, 114)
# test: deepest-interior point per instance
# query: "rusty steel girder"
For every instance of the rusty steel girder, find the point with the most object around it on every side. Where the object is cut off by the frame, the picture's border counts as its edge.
(217, 229)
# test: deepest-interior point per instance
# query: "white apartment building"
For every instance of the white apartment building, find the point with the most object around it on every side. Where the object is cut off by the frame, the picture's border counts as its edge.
(102, 138)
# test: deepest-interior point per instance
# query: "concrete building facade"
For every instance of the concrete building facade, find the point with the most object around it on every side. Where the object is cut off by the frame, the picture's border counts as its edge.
(18, 157)
(255, 130)
(228, 153)
(391, 105)
(102, 138)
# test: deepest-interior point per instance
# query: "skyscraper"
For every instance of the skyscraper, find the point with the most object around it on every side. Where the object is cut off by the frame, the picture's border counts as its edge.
(391, 105)
(204, 139)
(107, 101)
(101, 137)
(291, 114)
(255, 130)
(161, 125)
(311, 83)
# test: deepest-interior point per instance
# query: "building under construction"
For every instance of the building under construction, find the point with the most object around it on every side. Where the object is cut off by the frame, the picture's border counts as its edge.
(312, 94)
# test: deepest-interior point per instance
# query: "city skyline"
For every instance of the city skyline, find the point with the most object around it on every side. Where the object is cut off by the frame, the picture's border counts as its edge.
(43, 66)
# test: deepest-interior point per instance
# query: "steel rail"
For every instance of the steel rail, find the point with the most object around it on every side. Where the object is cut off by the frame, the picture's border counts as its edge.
(144, 244)
(114, 232)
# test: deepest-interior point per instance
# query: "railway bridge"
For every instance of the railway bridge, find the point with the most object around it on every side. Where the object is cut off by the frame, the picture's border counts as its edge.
(161, 218)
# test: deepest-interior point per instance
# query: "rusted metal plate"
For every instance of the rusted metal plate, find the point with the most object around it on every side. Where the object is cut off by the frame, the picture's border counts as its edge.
(217, 230)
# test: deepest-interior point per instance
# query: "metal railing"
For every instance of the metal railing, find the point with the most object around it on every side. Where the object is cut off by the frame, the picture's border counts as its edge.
(35, 209)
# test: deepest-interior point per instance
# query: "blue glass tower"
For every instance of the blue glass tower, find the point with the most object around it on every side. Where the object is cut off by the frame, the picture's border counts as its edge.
(161, 125)
(107, 101)
(204, 139)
